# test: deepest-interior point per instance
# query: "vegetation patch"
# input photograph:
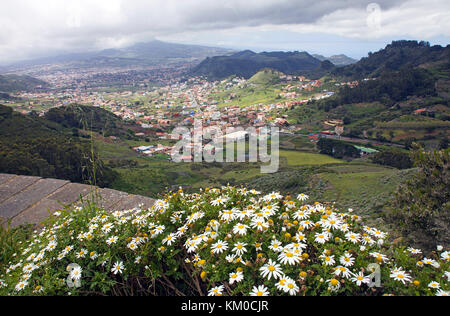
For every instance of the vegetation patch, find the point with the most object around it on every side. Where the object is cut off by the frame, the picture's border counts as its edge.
(228, 241)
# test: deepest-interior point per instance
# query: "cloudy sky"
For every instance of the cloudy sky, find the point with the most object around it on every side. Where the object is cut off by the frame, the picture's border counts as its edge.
(36, 28)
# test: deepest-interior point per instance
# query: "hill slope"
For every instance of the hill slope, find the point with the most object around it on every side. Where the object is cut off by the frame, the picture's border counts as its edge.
(33, 146)
(247, 63)
(87, 118)
(338, 60)
(395, 56)
(13, 83)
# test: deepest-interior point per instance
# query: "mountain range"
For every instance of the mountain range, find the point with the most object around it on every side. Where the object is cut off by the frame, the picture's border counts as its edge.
(141, 54)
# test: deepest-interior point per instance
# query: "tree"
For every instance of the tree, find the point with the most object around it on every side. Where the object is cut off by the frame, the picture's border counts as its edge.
(421, 208)
(393, 158)
(443, 144)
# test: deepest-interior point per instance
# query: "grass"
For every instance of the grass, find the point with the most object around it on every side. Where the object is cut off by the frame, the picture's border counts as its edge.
(368, 191)
(296, 158)
(10, 239)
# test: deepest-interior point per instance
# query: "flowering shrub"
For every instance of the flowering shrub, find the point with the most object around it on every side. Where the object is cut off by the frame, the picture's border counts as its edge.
(228, 241)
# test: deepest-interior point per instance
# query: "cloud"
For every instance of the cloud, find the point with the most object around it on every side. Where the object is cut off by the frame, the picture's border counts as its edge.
(30, 28)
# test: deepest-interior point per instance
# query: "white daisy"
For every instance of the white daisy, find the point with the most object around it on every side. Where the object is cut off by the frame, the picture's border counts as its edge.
(360, 279)
(219, 247)
(75, 274)
(347, 260)
(240, 229)
(239, 248)
(289, 257)
(434, 285)
(260, 291)
(271, 269)
(236, 277)
(216, 291)
(302, 197)
(118, 267)
(21, 285)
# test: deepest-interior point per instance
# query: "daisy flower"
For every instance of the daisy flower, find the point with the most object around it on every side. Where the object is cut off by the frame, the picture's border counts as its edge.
(301, 215)
(29, 268)
(401, 276)
(216, 291)
(239, 248)
(352, 237)
(289, 257)
(132, 245)
(322, 238)
(271, 269)
(360, 279)
(347, 260)
(260, 291)
(328, 260)
(51, 246)
(75, 274)
(307, 224)
(112, 240)
(236, 277)
(334, 285)
(345, 272)
(431, 262)
(240, 229)
(380, 257)
(302, 197)
(442, 293)
(445, 256)
(117, 268)
(169, 240)
(219, 201)
(259, 224)
(332, 223)
(21, 285)
(290, 287)
(447, 275)
(230, 258)
(93, 255)
(276, 246)
(272, 196)
(107, 227)
(434, 285)
(227, 216)
(81, 254)
(219, 247)
(367, 241)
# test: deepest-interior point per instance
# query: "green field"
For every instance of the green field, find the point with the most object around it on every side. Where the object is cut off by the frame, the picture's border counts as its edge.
(296, 158)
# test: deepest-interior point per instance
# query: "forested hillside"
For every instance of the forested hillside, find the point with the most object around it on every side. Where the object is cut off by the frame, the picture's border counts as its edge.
(33, 146)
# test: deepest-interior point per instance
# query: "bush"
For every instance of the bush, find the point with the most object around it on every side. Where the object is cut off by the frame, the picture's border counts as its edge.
(393, 158)
(337, 149)
(225, 241)
(421, 209)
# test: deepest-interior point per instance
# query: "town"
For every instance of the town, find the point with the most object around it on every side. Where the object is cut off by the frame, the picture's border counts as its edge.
(178, 101)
